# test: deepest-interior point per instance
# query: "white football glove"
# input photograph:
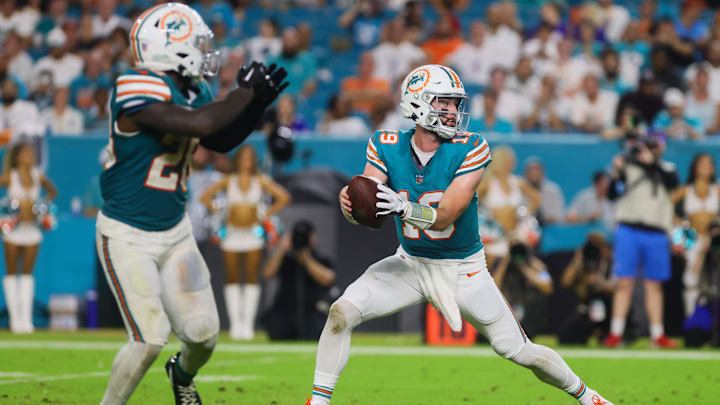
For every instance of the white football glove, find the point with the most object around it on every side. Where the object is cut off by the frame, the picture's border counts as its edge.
(418, 215)
(390, 201)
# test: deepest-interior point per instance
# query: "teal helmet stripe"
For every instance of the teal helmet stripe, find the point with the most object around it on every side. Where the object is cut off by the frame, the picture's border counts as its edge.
(452, 81)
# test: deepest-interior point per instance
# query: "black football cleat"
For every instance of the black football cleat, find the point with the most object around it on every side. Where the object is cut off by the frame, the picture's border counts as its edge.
(184, 394)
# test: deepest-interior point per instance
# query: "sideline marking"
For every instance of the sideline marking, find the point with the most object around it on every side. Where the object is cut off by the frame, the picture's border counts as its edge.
(303, 348)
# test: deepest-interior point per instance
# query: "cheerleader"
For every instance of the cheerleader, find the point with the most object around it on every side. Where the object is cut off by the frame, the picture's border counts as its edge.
(243, 244)
(23, 181)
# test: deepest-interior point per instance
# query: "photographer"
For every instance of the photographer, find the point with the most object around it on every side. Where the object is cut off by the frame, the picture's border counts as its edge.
(304, 297)
(588, 275)
(527, 285)
(641, 183)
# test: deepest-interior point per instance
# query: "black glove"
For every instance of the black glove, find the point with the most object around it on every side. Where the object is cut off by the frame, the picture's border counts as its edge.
(276, 85)
(253, 77)
(265, 82)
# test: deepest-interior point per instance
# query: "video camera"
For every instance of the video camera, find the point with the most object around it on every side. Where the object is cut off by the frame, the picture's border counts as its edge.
(301, 235)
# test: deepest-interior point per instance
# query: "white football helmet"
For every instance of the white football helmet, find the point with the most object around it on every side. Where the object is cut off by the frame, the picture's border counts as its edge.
(173, 36)
(423, 86)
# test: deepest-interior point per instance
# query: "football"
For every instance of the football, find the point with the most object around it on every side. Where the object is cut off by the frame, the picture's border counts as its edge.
(363, 192)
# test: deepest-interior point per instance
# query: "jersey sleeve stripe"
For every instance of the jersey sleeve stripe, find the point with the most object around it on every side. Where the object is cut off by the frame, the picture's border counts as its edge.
(476, 162)
(476, 151)
(377, 163)
(476, 159)
(371, 145)
(125, 88)
(160, 83)
(144, 78)
(474, 166)
(148, 93)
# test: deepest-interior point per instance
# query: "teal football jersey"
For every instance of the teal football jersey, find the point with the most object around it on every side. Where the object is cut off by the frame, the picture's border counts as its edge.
(391, 152)
(143, 183)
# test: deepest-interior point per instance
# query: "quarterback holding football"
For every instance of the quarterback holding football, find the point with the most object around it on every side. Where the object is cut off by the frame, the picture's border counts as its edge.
(427, 178)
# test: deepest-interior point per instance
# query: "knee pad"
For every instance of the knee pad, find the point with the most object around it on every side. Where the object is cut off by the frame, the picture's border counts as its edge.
(507, 346)
(201, 328)
(343, 316)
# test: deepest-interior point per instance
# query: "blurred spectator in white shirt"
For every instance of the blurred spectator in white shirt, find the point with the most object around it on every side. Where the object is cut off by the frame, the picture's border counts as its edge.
(106, 20)
(552, 205)
(21, 64)
(701, 104)
(28, 18)
(62, 65)
(543, 47)
(711, 66)
(395, 56)
(338, 122)
(20, 117)
(613, 18)
(674, 120)
(471, 60)
(569, 71)
(592, 204)
(547, 111)
(9, 17)
(511, 106)
(503, 44)
(61, 117)
(523, 81)
(633, 51)
(268, 43)
(593, 109)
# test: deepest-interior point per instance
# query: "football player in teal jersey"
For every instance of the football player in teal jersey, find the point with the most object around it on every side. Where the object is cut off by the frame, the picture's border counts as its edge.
(161, 109)
(427, 178)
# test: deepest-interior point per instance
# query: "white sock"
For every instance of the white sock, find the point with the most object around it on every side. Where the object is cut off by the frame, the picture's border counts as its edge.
(617, 326)
(129, 367)
(323, 388)
(10, 288)
(233, 307)
(656, 330)
(333, 349)
(252, 299)
(26, 287)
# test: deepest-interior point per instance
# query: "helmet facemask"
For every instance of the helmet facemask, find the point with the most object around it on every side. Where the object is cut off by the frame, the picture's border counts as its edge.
(210, 63)
(434, 120)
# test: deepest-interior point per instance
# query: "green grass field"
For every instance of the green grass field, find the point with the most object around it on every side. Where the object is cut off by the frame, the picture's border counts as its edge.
(72, 368)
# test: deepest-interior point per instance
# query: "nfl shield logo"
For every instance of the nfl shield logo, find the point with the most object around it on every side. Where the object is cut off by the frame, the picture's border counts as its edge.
(418, 178)
(144, 47)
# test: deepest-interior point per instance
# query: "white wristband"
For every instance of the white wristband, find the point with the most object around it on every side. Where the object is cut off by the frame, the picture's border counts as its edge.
(419, 215)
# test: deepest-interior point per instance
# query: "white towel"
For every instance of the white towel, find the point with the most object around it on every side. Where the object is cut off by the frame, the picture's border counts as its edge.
(439, 283)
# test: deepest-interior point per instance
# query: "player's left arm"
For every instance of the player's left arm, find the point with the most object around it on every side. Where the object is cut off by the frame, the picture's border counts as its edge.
(456, 199)
(281, 197)
(49, 187)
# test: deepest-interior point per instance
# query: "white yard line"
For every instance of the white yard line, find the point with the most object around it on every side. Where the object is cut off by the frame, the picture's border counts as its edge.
(56, 377)
(304, 348)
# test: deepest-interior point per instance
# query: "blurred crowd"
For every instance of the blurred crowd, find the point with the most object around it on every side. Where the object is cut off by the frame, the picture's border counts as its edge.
(601, 67)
